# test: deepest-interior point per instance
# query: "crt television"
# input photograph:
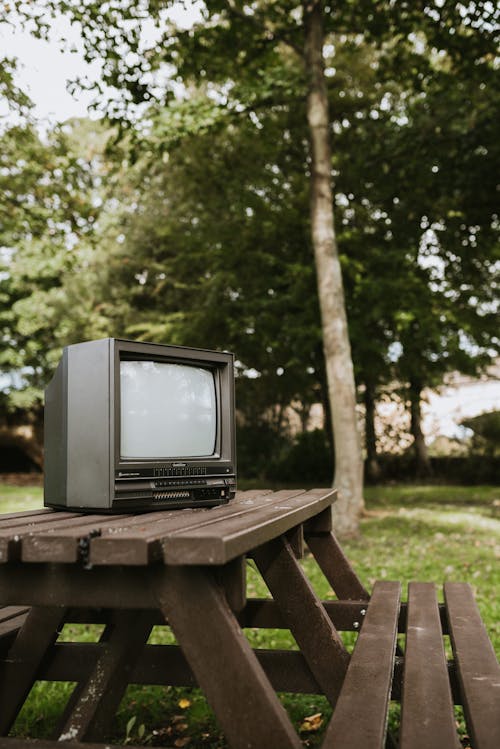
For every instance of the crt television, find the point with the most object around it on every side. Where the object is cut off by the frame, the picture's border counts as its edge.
(133, 426)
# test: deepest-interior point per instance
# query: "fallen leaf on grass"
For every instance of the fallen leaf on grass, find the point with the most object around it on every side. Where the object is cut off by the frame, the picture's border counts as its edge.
(312, 722)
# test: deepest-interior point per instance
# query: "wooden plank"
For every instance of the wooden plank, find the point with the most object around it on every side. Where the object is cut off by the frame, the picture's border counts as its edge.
(10, 612)
(225, 666)
(359, 720)
(9, 629)
(335, 566)
(137, 545)
(12, 532)
(477, 667)
(73, 586)
(264, 613)
(16, 743)
(166, 665)
(233, 578)
(219, 543)
(7, 517)
(306, 618)
(257, 612)
(12, 622)
(60, 543)
(20, 667)
(94, 701)
(427, 717)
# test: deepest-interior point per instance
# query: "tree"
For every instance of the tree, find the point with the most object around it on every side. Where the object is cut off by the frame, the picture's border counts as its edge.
(339, 367)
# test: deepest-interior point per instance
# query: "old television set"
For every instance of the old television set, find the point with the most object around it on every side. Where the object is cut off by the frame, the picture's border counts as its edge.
(134, 426)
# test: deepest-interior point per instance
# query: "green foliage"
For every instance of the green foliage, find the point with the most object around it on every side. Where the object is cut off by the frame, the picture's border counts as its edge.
(307, 460)
(49, 264)
(486, 428)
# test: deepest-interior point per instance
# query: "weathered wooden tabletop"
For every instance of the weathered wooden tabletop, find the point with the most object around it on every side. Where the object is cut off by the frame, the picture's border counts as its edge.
(177, 537)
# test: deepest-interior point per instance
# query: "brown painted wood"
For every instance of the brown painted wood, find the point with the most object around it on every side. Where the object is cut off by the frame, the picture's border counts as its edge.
(94, 702)
(12, 531)
(257, 612)
(219, 543)
(295, 538)
(166, 665)
(11, 612)
(59, 542)
(139, 539)
(73, 586)
(233, 578)
(477, 667)
(335, 566)
(16, 743)
(11, 619)
(359, 720)
(138, 543)
(264, 612)
(23, 661)
(306, 618)
(6, 518)
(427, 707)
(322, 522)
(246, 706)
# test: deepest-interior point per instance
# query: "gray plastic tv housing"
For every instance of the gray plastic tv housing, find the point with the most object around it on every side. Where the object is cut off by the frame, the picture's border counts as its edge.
(84, 470)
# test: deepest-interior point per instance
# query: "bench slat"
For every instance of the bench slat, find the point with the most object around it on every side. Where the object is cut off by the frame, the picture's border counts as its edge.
(427, 717)
(360, 717)
(477, 667)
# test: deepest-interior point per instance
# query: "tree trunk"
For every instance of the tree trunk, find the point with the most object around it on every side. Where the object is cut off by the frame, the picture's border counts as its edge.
(372, 464)
(423, 466)
(348, 477)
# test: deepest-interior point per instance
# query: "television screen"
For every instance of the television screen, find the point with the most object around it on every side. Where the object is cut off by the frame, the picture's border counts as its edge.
(166, 409)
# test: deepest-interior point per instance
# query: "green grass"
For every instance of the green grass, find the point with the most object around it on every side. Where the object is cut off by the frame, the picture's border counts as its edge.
(17, 498)
(427, 533)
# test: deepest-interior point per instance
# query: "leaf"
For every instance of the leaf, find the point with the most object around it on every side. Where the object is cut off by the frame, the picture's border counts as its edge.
(312, 722)
(130, 725)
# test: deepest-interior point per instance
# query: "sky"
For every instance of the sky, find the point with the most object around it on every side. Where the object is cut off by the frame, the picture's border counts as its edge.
(44, 71)
(44, 68)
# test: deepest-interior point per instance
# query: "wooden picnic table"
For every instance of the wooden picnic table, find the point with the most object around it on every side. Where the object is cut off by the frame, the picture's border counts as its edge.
(186, 568)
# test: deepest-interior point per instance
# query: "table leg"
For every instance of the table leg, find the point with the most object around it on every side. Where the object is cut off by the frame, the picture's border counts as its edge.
(304, 614)
(336, 567)
(93, 703)
(19, 669)
(227, 669)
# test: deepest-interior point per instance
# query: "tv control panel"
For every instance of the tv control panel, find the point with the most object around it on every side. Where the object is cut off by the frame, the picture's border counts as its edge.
(173, 485)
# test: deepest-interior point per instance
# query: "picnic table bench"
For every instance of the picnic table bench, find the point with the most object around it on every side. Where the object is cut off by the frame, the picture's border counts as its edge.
(187, 569)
